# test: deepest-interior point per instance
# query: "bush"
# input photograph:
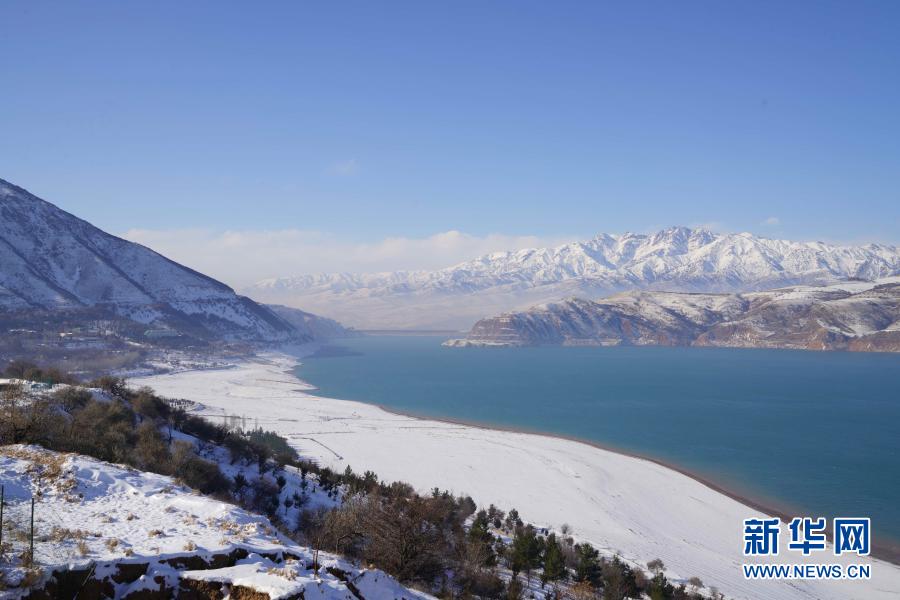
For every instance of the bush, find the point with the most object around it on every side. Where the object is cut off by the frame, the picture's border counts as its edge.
(148, 405)
(278, 445)
(151, 452)
(72, 398)
(196, 472)
(266, 496)
(104, 430)
(21, 369)
(112, 385)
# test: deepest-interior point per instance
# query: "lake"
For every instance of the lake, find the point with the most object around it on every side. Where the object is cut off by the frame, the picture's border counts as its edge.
(816, 432)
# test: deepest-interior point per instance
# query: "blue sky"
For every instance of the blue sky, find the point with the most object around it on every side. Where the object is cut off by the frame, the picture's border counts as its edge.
(359, 122)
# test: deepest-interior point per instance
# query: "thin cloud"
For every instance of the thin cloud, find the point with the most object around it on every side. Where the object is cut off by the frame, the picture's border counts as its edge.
(241, 258)
(344, 168)
(772, 221)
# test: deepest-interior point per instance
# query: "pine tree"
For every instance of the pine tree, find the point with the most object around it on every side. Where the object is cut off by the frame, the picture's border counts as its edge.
(554, 562)
(587, 566)
(525, 552)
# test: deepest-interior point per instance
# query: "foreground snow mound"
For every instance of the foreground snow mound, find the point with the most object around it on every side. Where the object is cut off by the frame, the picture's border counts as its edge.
(129, 532)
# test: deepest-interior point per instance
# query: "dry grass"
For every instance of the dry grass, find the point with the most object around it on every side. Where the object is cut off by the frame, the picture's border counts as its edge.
(111, 544)
(19, 535)
(155, 533)
(63, 534)
(286, 572)
(190, 546)
(47, 470)
(31, 578)
(83, 548)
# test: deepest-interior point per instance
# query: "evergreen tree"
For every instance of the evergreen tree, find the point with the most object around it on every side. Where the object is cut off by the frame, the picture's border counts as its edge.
(525, 553)
(660, 588)
(554, 562)
(587, 565)
(479, 533)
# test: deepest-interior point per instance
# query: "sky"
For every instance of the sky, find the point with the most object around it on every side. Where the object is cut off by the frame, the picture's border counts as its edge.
(281, 138)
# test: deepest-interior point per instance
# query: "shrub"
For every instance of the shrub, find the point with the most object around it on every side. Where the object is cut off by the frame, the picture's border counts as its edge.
(112, 385)
(72, 398)
(151, 452)
(148, 405)
(278, 445)
(196, 472)
(104, 430)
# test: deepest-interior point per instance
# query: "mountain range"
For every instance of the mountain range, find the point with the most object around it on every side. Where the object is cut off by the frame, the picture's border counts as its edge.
(851, 315)
(52, 262)
(674, 259)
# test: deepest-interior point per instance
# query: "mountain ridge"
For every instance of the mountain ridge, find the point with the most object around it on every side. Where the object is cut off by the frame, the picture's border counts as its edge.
(54, 262)
(852, 315)
(677, 259)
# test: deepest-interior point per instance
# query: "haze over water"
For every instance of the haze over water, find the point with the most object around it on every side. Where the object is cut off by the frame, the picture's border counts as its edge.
(812, 430)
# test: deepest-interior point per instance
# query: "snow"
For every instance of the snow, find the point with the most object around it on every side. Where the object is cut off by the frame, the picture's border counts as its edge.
(674, 259)
(52, 259)
(119, 514)
(633, 507)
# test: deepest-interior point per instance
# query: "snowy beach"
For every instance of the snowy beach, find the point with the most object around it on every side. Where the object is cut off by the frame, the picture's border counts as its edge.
(636, 508)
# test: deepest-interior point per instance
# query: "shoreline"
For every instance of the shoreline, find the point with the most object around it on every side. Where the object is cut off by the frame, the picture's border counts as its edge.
(623, 504)
(889, 552)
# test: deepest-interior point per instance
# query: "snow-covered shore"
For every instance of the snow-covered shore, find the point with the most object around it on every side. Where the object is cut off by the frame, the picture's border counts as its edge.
(633, 507)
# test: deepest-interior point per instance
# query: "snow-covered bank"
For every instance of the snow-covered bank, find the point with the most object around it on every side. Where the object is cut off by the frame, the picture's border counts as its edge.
(624, 505)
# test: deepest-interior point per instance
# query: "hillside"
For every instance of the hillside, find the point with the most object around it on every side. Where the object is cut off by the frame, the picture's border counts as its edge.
(674, 259)
(59, 267)
(856, 315)
(319, 328)
(107, 531)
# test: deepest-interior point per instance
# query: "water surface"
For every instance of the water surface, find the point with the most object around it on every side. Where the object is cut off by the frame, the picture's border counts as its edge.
(815, 431)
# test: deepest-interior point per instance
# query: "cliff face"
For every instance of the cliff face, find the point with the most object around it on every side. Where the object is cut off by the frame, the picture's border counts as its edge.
(858, 316)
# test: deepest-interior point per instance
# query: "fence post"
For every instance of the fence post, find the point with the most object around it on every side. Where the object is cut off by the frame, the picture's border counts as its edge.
(31, 549)
(2, 498)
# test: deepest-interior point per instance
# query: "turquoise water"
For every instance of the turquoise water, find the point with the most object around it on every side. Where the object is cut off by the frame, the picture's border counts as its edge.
(813, 431)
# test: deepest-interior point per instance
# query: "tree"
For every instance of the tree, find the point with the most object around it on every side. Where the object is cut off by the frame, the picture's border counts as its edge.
(514, 590)
(554, 563)
(525, 553)
(512, 520)
(656, 566)
(482, 539)
(618, 580)
(660, 588)
(696, 583)
(587, 564)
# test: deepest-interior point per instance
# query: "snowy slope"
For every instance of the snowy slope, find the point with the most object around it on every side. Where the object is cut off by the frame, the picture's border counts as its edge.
(675, 259)
(854, 315)
(95, 515)
(52, 260)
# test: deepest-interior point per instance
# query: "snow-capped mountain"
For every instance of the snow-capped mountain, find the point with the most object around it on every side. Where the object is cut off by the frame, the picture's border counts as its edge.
(675, 259)
(51, 260)
(852, 315)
